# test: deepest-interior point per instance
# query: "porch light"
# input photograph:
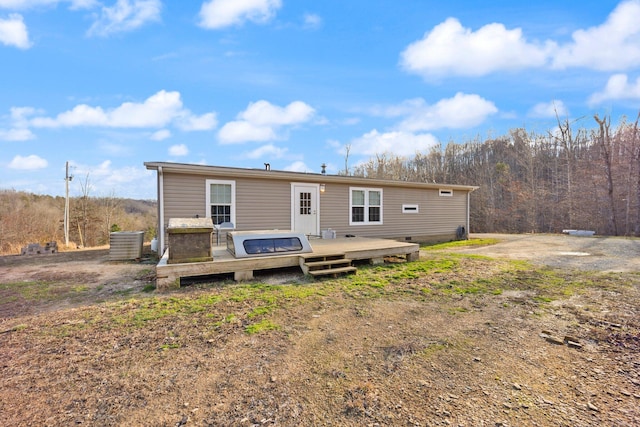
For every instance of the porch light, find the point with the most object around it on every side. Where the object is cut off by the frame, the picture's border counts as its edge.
(322, 188)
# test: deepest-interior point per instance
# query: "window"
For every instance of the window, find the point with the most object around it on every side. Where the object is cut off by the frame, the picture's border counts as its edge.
(446, 193)
(263, 246)
(365, 206)
(221, 200)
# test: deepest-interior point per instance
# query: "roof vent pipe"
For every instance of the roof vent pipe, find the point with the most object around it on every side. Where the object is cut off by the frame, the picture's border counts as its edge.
(267, 166)
(324, 169)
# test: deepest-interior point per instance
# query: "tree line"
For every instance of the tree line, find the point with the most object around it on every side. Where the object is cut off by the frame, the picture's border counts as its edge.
(31, 218)
(567, 178)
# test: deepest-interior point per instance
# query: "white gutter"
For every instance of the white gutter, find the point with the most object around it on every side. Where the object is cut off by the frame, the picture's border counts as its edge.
(161, 245)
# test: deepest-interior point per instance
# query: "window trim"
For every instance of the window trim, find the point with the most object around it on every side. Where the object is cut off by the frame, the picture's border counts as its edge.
(445, 192)
(410, 209)
(366, 221)
(208, 183)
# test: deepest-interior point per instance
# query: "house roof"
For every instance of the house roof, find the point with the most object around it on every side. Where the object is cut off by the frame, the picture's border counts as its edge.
(233, 172)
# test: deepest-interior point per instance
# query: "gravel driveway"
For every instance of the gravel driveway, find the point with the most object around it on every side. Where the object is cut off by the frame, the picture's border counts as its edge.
(606, 254)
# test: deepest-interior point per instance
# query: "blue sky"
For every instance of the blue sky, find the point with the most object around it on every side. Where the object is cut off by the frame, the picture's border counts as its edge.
(108, 85)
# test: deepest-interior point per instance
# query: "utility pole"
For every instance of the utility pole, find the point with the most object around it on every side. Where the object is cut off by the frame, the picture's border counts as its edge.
(67, 178)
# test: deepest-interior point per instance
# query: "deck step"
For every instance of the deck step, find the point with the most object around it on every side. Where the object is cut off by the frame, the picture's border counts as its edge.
(326, 257)
(333, 271)
(331, 262)
(328, 264)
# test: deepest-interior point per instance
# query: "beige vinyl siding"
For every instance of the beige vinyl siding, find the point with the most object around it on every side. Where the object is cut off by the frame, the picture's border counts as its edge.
(437, 216)
(446, 213)
(263, 203)
(260, 204)
(334, 209)
(184, 196)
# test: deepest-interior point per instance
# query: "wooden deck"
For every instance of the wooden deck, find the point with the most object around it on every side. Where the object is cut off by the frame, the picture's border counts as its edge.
(354, 248)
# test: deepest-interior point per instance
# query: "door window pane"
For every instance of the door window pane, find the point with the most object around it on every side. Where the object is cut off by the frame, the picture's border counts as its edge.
(305, 203)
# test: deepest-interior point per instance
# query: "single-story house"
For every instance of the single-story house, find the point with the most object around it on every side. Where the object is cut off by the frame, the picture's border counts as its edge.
(312, 203)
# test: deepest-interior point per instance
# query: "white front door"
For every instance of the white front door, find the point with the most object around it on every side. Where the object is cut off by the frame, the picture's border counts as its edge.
(305, 216)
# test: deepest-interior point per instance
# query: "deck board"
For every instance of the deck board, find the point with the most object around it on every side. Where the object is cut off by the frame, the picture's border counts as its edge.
(355, 248)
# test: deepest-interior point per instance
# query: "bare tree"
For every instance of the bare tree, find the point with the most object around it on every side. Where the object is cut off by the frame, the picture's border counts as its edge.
(84, 218)
(636, 144)
(604, 141)
(347, 150)
(110, 207)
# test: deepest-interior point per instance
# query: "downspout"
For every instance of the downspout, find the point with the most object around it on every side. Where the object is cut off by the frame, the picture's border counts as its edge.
(160, 212)
(468, 212)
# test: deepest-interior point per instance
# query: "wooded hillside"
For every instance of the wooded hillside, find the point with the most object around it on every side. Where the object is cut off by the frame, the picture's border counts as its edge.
(30, 218)
(568, 178)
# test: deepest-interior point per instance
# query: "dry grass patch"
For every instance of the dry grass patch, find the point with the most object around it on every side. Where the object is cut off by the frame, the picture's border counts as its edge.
(448, 339)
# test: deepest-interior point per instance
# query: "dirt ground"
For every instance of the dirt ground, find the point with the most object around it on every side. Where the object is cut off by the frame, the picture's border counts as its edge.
(404, 355)
(601, 254)
(78, 277)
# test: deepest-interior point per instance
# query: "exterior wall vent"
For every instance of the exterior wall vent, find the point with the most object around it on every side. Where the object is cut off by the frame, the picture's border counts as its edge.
(410, 208)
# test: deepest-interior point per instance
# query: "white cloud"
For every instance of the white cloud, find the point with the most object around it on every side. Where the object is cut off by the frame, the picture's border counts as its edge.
(17, 134)
(461, 111)
(19, 115)
(116, 149)
(190, 122)
(160, 135)
(238, 132)
(452, 49)
(31, 162)
(399, 143)
(334, 143)
(261, 121)
(157, 111)
(13, 32)
(216, 14)
(265, 113)
(555, 108)
(24, 4)
(83, 4)
(614, 45)
(350, 121)
(178, 150)
(298, 166)
(312, 21)
(30, 4)
(125, 181)
(405, 108)
(125, 15)
(19, 123)
(618, 88)
(269, 150)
